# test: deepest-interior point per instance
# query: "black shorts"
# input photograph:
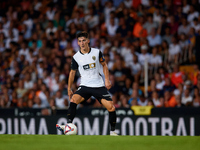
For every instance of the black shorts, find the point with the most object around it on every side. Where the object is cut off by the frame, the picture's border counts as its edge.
(99, 93)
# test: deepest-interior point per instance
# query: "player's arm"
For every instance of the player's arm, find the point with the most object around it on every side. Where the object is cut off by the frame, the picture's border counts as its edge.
(105, 71)
(74, 67)
(70, 82)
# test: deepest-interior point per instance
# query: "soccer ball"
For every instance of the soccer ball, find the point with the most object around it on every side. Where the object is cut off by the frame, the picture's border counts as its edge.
(70, 129)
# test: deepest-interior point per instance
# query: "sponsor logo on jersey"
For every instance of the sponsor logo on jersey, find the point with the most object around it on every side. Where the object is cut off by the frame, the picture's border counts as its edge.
(93, 57)
(89, 66)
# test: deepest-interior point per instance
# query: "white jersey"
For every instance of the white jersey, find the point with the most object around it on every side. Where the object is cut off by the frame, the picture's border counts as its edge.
(89, 67)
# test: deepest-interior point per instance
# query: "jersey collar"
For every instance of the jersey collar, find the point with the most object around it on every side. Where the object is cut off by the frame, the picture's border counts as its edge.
(85, 53)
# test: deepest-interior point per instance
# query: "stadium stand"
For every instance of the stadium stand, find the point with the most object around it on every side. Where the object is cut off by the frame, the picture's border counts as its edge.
(38, 40)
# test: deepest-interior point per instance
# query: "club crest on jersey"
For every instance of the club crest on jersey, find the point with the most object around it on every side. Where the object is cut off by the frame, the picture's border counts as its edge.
(93, 57)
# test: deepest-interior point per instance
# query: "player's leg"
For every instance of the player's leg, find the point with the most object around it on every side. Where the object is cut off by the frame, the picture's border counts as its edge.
(75, 100)
(104, 98)
(112, 114)
(79, 96)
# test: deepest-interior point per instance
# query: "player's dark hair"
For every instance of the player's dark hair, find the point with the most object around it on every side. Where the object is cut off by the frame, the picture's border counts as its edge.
(82, 34)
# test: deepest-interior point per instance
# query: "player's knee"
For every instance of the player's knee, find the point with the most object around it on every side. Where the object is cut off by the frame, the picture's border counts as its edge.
(111, 108)
(74, 100)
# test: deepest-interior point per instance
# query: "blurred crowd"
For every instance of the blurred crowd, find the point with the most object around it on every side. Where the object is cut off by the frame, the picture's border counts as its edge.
(38, 40)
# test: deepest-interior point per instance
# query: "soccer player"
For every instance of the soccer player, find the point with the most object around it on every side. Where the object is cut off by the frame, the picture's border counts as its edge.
(88, 60)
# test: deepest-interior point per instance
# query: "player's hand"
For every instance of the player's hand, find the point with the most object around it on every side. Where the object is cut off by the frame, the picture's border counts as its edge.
(70, 93)
(108, 84)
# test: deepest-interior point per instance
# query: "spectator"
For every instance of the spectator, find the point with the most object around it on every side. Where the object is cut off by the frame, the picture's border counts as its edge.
(168, 86)
(134, 102)
(112, 28)
(58, 22)
(30, 103)
(192, 14)
(155, 59)
(50, 12)
(186, 7)
(163, 73)
(128, 3)
(28, 84)
(77, 20)
(157, 15)
(128, 19)
(92, 19)
(14, 29)
(10, 39)
(50, 29)
(136, 68)
(196, 98)
(150, 103)
(54, 84)
(174, 50)
(169, 99)
(176, 76)
(195, 75)
(150, 24)
(159, 82)
(135, 86)
(152, 87)
(178, 100)
(83, 3)
(108, 8)
(134, 96)
(37, 5)
(120, 73)
(188, 85)
(104, 43)
(195, 24)
(187, 99)
(156, 101)
(129, 58)
(144, 56)
(123, 100)
(184, 27)
(63, 41)
(184, 43)
(142, 101)
(173, 25)
(2, 30)
(21, 90)
(27, 21)
(24, 49)
(140, 11)
(20, 103)
(125, 50)
(167, 36)
(98, 8)
(122, 30)
(139, 30)
(153, 38)
(38, 103)
(60, 101)
(42, 95)
(151, 7)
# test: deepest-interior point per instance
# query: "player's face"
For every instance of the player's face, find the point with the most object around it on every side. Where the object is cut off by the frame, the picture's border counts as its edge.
(83, 43)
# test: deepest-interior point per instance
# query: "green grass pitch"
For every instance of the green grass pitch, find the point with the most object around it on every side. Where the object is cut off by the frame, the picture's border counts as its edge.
(82, 142)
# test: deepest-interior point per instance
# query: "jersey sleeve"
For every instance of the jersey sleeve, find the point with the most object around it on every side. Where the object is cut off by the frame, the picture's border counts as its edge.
(101, 57)
(74, 64)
